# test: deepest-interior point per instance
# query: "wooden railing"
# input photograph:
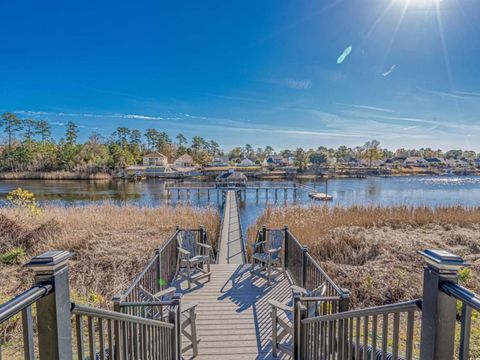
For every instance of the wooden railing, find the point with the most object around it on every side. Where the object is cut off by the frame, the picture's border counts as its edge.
(383, 332)
(99, 334)
(304, 270)
(157, 274)
(104, 334)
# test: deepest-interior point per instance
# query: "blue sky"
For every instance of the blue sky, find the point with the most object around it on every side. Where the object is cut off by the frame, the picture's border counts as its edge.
(263, 72)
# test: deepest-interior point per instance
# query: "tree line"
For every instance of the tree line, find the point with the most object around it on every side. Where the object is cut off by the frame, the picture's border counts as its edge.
(29, 146)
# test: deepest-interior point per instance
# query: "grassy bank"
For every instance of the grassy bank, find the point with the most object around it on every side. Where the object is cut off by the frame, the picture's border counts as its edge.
(111, 244)
(373, 251)
(53, 175)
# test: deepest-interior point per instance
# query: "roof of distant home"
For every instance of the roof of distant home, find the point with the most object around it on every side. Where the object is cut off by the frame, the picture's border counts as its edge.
(232, 176)
(155, 154)
(185, 158)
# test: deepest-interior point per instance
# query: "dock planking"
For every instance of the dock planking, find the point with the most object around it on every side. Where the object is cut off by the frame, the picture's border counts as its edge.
(231, 239)
(233, 314)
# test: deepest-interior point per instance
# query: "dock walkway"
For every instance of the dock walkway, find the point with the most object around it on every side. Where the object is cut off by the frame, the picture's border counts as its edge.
(233, 314)
(231, 239)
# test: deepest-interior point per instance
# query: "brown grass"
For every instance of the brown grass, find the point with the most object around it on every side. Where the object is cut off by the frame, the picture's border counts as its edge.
(373, 250)
(53, 175)
(111, 244)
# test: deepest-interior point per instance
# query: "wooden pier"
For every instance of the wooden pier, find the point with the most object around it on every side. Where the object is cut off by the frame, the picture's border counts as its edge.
(268, 192)
(232, 247)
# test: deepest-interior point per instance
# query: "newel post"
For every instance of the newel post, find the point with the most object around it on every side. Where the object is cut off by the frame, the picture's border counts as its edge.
(438, 309)
(304, 266)
(54, 310)
(299, 313)
(174, 317)
(285, 247)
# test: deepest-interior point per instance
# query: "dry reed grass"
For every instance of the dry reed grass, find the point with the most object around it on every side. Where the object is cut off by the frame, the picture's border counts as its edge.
(53, 175)
(373, 250)
(111, 244)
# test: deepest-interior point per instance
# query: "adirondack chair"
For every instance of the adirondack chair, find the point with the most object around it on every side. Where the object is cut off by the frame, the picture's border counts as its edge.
(267, 257)
(188, 315)
(282, 316)
(192, 257)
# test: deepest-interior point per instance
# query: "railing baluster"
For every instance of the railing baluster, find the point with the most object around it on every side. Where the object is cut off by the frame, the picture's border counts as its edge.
(365, 338)
(110, 339)
(410, 328)
(79, 329)
(91, 337)
(396, 331)
(27, 322)
(357, 338)
(465, 328)
(101, 339)
(384, 336)
(374, 336)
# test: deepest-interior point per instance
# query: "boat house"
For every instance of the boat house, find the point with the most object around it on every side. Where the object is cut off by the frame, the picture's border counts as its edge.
(231, 179)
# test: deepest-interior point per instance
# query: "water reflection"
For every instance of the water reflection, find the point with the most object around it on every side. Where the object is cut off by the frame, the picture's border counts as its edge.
(429, 191)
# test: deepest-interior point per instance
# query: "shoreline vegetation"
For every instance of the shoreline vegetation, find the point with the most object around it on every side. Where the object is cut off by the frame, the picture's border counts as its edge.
(372, 251)
(111, 243)
(31, 151)
(53, 175)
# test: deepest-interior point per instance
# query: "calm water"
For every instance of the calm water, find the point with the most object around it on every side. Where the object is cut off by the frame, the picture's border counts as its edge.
(431, 191)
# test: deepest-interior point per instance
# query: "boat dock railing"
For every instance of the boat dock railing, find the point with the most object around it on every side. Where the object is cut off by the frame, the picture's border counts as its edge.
(437, 326)
(55, 328)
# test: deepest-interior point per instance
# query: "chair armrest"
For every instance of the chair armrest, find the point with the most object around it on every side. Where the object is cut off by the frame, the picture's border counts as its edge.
(300, 290)
(254, 245)
(183, 251)
(187, 306)
(281, 306)
(168, 291)
(273, 251)
(206, 246)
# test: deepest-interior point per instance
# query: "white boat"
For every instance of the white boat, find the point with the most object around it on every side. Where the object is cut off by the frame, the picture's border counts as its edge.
(320, 196)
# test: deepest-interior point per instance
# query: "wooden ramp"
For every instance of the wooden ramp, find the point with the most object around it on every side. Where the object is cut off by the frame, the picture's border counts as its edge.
(231, 239)
(233, 314)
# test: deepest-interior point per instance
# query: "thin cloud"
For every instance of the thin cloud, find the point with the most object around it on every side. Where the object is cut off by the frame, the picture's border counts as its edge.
(367, 107)
(296, 84)
(446, 94)
(237, 98)
(467, 93)
(389, 71)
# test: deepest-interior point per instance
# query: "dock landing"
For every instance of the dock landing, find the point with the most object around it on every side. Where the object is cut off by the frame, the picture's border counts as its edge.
(233, 315)
(232, 246)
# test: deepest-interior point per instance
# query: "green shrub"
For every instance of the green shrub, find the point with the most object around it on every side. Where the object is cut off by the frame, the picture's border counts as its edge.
(12, 256)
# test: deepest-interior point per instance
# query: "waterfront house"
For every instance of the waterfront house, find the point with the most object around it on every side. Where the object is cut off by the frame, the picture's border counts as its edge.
(219, 161)
(276, 161)
(155, 159)
(435, 161)
(184, 161)
(416, 161)
(246, 163)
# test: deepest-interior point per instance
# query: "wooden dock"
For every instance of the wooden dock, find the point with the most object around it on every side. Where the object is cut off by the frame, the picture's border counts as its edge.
(232, 248)
(233, 314)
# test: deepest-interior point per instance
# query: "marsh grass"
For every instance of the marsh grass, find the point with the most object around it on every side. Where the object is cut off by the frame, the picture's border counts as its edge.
(111, 244)
(53, 175)
(373, 250)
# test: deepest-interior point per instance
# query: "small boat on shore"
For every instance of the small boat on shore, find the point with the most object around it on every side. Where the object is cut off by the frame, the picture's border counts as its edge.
(320, 196)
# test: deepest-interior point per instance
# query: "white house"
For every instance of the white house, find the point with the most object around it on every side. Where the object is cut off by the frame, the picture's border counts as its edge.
(155, 159)
(246, 162)
(415, 161)
(184, 161)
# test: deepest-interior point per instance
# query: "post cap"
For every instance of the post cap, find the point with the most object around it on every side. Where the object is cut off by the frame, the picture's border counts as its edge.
(443, 260)
(49, 261)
